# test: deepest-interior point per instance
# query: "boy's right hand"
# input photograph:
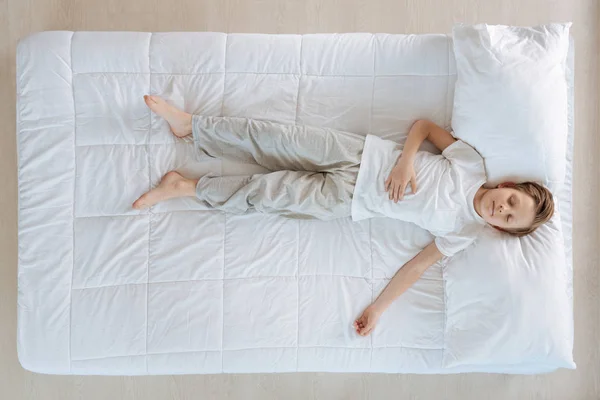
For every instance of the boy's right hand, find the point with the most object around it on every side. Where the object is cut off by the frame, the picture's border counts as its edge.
(367, 320)
(402, 173)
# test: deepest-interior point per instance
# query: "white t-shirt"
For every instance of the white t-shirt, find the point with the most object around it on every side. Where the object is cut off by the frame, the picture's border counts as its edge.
(446, 187)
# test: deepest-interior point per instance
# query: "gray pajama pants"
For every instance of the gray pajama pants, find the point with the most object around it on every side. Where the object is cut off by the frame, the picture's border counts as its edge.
(313, 174)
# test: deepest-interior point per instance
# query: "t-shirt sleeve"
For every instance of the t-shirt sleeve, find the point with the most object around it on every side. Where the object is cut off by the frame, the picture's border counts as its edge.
(460, 153)
(454, 242)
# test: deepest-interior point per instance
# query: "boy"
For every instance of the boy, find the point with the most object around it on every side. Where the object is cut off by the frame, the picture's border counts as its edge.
(325, 174)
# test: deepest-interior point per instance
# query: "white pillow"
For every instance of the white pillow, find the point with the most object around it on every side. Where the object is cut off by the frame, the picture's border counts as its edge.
(510, 100)
(507, 299)
(507, 302)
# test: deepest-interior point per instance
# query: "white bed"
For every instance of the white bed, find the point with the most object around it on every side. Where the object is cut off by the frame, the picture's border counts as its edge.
(105, 289)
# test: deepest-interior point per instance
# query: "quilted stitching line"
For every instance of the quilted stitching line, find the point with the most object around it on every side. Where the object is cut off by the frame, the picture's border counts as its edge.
(73, 224)
(224, 75)
(258, 348)
(372, 291)
(224, 227)
(370, 236)
(373, 86)
(445, 319)
(447, 114)
(223, 294)
(299, 83)
(120, 145)
(281, 277)
(150, 210)
(311, 347)
(298, 222)
(297, 292)
(260, 73)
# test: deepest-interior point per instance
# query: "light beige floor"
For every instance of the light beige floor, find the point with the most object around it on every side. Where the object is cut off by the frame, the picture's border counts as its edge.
(21, 17)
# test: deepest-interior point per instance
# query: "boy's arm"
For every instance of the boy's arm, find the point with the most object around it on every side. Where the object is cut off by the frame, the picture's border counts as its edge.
(403, 172)
(402, 280)
(421, 130)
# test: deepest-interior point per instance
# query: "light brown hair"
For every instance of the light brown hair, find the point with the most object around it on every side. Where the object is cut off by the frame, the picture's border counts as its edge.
(544, 206)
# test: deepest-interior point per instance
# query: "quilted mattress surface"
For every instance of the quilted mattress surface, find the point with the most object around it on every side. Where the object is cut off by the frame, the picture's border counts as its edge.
(179, 288)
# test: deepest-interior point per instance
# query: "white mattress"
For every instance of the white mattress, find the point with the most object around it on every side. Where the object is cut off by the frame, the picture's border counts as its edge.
(105, 289)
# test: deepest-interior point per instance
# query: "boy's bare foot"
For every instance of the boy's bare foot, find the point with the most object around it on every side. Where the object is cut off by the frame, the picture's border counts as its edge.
(179, 121)
(171, 185)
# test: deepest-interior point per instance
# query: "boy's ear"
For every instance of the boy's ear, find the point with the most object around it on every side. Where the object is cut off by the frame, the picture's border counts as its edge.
(506, 184)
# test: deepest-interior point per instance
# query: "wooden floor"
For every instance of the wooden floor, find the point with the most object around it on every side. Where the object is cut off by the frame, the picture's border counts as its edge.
(18, 18)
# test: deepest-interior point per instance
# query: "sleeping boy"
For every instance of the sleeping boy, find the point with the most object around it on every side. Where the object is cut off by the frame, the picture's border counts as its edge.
(326, 174)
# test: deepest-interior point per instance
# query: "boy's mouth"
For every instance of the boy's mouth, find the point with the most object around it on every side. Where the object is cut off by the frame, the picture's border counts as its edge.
(493, 207)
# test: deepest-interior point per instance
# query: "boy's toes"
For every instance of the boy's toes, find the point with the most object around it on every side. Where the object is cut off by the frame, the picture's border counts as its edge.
(138, 204)
(151, 101)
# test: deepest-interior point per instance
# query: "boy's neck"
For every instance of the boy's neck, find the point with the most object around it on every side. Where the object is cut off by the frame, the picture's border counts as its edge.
(477, 200)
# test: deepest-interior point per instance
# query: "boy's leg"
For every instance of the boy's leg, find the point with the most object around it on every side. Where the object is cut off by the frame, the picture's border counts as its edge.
(292, 194)
(273, 145)
(277, 146)
(295, 152)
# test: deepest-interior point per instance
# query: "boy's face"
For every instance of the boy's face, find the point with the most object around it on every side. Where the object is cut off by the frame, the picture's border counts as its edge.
(507, 208)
